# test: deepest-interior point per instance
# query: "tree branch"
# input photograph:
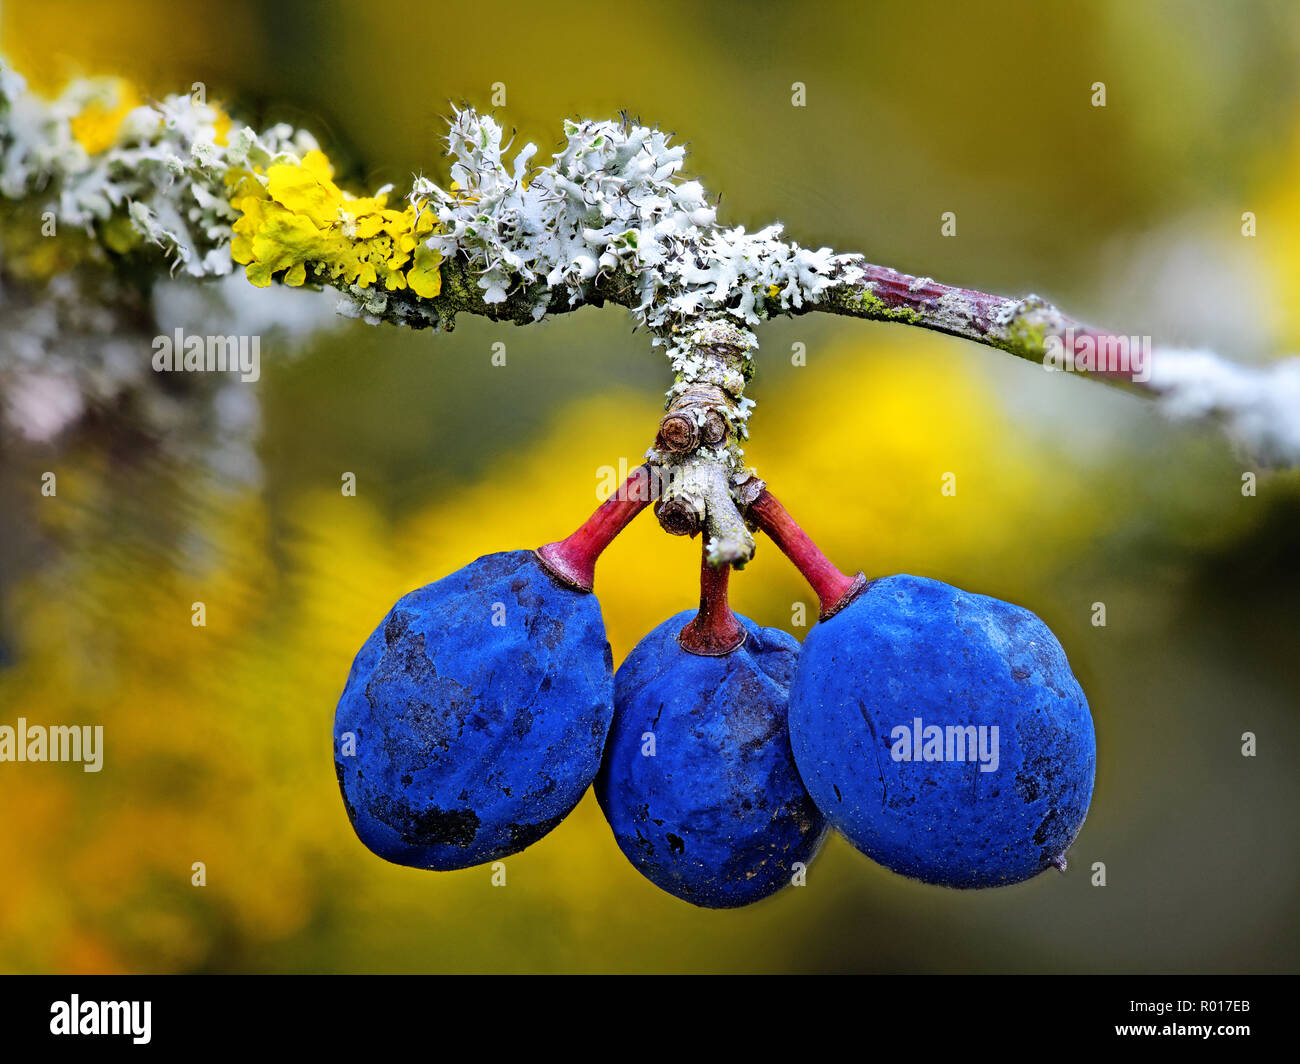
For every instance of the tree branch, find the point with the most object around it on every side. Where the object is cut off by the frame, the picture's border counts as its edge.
(1021, 327)
(609, 220)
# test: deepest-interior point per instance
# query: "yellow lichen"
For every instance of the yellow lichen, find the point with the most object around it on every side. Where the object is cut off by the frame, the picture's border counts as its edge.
(297, 220)
(221, 127)
(96, 127)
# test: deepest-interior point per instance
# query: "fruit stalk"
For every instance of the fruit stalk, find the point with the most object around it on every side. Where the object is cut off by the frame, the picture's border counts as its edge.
(834, 589)
(714, 630)
(572, 560)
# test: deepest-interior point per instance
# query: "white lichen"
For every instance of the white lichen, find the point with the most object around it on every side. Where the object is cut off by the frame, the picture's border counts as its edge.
(1259, 407)
(612, 201)
(609, 217)
(165, 167)
(82, 339)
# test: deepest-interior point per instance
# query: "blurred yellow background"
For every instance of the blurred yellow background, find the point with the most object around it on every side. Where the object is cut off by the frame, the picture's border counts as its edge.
(217, 739)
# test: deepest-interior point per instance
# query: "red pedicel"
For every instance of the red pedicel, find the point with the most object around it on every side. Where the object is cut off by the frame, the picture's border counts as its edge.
(572, 560)
(834, 589)
(715, 630)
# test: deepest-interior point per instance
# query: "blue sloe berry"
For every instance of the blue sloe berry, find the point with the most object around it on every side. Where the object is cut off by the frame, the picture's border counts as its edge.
(909, 655)
(718, 815)
(473, 739)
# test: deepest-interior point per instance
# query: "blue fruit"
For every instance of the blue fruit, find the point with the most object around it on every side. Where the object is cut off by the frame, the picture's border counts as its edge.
(717, 816)
(473, 739)
(911, 655)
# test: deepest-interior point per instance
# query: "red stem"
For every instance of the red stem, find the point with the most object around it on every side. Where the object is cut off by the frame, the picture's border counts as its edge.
(572, 560)
(833, 588)
(714, 631)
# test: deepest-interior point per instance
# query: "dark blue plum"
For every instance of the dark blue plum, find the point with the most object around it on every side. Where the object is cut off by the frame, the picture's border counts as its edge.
(718, 816)
(911, 654)
(473, 739)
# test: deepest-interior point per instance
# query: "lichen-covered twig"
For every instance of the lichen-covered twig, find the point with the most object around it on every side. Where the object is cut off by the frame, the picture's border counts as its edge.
(608, 220)
(1259, 406)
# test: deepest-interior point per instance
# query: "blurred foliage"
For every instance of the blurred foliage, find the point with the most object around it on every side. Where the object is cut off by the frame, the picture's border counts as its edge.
(218, 738)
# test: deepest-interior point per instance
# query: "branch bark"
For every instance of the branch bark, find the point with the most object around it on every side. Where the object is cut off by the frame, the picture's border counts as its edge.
(609, 220)
(1022, 327)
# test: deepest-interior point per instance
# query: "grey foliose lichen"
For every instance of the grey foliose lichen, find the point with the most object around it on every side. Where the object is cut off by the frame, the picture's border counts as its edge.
(79, 335)
(612, 201)
(612, 204)
(167, 167)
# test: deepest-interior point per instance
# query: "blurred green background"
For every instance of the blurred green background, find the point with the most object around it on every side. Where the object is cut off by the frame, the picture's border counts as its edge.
(218, 739)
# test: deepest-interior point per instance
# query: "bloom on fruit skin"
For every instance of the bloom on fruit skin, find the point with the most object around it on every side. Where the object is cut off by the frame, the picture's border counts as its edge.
(473, 719)
(717, 815)
(909, 647)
